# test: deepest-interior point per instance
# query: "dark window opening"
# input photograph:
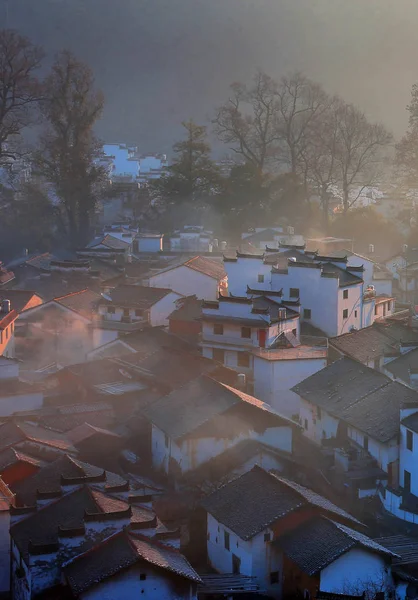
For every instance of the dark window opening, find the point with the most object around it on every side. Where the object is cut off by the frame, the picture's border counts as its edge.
(246, 332)
(306, 423)
(407, 481)
(366, 443)
(138, 312)
(409, 440)
(345, 294)
(261, 279)
(294, 293)
(266, 537)
(166, 440)
(142, 576)
(219, 355)
(355, 313)
(111, 310)
(226, 540)
(243, 359)
(345, 313)
(307, 313)
(218, 329)
(274, 577)
(126, 312)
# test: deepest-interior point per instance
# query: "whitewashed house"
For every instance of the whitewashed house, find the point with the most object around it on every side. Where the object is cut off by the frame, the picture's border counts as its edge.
(124, 161)
(259, 336)
(401, 499)
(332, 294)
(374, 274)
(130, 566)
(200, 276)
(133, 306)
(192, 238)
(261, 543)
(150, 242)
(348, 405)
(152, 167)
(202, 419)
(272, 237)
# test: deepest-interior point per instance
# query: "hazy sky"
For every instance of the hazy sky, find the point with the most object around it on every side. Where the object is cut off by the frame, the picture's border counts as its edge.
(162, 61)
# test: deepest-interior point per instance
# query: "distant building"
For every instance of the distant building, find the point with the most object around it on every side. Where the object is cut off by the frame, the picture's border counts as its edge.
(192, 239)
(124, 163)
(149, 242)
(8, 318)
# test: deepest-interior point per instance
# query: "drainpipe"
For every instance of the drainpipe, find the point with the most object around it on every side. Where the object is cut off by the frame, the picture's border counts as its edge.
(362, 305)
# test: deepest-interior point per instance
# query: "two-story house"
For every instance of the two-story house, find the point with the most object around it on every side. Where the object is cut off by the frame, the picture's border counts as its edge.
(356, 410)
(332, 293)
(263, 542)
(133, 306)
(259, 336)
(197, 422)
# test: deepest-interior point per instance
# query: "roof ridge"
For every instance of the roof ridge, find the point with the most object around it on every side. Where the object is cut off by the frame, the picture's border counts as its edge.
(58, 298)
(94, 547)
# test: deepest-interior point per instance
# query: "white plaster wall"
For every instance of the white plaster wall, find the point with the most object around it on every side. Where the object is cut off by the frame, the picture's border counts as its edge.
(150, 244)
(245, 271)
(20, 402)
(4, 551)
(408, 460)
(258, 558)
(8, 369)
(161, 310)
(354, 306)
(127, 585)
(383, 453)
(273, 381)
(122, 163)
(187, 282)
(315, 426)
(368, 313)
(319, 294)
(351, 569)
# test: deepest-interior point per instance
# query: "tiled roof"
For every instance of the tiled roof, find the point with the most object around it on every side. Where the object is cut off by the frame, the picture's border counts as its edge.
(377, 414)
(340, 384)
(257, 499)
(83, 302)
(360, 396)
(404, 546)
(10, 434)
(411, 422)
(119, 552)
(190, 309)
(400, 367)
(365, 344)
(316, 544)
(7, 318)
(345, 277)
(12, 456)
(137, 296)
(206, 266)
(197, 403)
(18, 298)
(110, 242)
(6, 276)
(85, 431)
(46, 437)
(42, 261)
(49, 478)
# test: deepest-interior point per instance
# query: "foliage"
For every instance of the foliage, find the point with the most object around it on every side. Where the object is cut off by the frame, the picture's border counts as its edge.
(192, 176)
(407, 149)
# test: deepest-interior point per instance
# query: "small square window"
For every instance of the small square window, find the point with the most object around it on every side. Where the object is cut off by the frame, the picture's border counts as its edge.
(226, 540)
(260, 278)
(409, 440)
(218, 329)
(243, 359)
(138, 312)
(294, 293)
(307, 313)
(345, 313)
(267, 537)
(246, 332)
(345, 294)
(142, 576)
(274, 577)
(111, 310)
(218, 355)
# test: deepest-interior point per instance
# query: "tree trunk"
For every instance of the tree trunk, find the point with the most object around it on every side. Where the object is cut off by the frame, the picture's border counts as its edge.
(325, 209)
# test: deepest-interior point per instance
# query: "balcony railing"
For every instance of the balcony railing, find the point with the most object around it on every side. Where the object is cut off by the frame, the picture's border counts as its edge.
(211, 338)
(126, 324)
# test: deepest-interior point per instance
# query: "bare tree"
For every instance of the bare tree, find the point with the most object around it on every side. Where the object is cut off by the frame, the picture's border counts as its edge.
(247, 121)
(300, 103)
(359, 151)
(68, 152)
(407, 148)
(19, 87)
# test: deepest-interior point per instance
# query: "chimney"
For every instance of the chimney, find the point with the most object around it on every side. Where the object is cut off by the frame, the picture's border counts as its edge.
(241, 382)
(5, 306)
